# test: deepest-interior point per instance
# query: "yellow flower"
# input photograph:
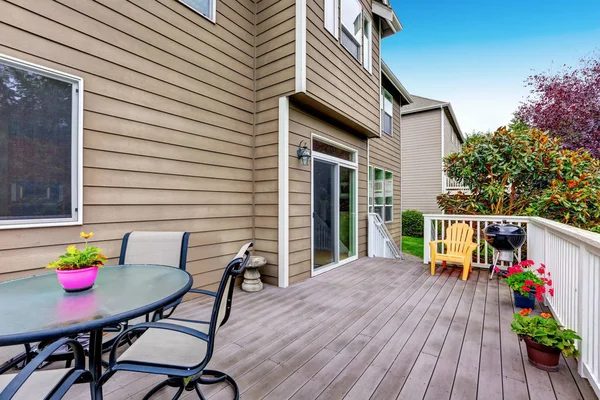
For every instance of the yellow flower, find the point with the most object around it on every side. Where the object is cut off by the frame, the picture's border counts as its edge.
(86, 235)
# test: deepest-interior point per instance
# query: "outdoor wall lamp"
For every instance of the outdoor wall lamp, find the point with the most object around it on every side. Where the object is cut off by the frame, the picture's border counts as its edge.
(303, 153)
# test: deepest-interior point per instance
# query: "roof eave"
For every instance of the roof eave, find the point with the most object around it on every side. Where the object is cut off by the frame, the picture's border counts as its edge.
(396, 82)
(451, 110)
(389, 18)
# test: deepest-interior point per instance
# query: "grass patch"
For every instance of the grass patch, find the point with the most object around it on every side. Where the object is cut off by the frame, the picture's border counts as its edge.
(412, 245)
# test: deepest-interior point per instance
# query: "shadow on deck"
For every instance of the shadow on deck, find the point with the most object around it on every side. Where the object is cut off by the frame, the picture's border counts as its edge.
(373, 329)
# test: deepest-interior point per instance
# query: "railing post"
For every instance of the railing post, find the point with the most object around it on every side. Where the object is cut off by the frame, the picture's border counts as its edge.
(583, 319)
(426, 238)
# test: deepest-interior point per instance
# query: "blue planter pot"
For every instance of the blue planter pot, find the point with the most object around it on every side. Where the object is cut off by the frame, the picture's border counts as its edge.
(524, 301)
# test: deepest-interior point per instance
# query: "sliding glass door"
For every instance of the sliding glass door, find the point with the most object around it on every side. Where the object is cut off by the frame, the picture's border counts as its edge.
(347, 213)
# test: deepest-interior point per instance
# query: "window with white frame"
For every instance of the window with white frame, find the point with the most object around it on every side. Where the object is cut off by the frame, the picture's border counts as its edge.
(40, 131)
(206, 8)
(367, 44)
(381, 193)
(352, 27)
(332, 16)
(387, 112)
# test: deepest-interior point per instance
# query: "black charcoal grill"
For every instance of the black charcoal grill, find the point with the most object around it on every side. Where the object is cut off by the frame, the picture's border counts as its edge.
(505, 239)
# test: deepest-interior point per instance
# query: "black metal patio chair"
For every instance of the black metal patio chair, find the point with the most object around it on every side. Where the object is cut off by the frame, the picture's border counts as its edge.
(181, 349)
(51, 384)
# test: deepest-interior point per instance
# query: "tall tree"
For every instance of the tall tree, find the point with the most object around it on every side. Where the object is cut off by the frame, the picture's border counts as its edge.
(567, 104)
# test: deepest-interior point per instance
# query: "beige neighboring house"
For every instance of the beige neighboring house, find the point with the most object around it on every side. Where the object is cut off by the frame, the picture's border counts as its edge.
(430, 132)
(188, 115)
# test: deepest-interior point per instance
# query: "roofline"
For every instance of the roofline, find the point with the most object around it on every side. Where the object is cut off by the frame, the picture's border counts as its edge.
(441, 107)
(383, 9)
(396, 82)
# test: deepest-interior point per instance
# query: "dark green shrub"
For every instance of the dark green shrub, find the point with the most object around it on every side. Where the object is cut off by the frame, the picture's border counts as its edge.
(412, 223)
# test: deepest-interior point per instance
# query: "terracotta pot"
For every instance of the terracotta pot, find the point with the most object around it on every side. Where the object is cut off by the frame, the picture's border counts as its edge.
(77, 280)
(543, 357)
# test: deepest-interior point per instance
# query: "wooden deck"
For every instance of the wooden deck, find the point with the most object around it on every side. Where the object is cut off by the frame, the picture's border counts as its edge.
(374, 329)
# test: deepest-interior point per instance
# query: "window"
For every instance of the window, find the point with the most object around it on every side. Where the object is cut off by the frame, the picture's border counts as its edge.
(367, 45)
(352, 26)
(332, 16)
(387, 113)
(40, 132)
(381, 193)
(206, 8)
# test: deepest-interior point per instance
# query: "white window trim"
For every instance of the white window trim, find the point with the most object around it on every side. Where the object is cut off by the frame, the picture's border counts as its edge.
(336, 19)
(76, 146)
(384, 93)
(371, 207)
(213, 10)
(341, 24)
(370, 55)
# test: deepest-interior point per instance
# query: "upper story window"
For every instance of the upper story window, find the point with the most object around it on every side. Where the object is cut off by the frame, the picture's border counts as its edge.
(332, 17)
(356, 29)
(352, 26)
(387, 112)
(40, 145)
(206, 8)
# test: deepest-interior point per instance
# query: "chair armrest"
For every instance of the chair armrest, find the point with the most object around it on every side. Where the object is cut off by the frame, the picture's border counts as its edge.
(154, 325)
(13, 387)
(434, 242)
(470, 248)
(202, 291)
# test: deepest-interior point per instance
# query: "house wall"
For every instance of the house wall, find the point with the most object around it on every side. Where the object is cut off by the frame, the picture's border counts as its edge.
(334, 77)
(168, 123)
(421, 160)
(302, 124)
(385, 152)
(451, 141)
(275, 74)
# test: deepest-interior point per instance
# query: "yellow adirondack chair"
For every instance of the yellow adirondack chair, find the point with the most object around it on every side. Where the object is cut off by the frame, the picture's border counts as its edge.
(459, 248)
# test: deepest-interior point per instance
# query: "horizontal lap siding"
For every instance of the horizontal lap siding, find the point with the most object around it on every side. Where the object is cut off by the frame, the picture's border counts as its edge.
(302, 125)
(450, 135)
(275, 69)
(421, 161)
(334, 77)
(385, 153)
(168, 123)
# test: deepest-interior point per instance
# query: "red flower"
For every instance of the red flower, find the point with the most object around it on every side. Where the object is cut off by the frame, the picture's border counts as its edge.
(543, 265)
(530, 283)
(551, 291)
(541, 271)
(549, 282)
(496, 269)
(539, 297)
(548, 273)
(525, 288)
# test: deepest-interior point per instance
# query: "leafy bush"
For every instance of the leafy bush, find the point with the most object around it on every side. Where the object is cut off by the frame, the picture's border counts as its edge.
(412, 223)
(546, 331)
(522, 171)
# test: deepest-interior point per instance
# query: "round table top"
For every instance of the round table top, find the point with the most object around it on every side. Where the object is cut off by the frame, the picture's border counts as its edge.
(37, 308)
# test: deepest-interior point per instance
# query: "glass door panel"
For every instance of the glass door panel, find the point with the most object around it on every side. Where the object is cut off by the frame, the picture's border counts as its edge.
(324, 213)
(347, 212)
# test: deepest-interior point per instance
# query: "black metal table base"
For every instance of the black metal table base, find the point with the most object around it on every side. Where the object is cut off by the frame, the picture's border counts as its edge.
(208, 377)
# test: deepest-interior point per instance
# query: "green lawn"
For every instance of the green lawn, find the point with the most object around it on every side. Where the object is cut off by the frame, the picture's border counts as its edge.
(412, 245)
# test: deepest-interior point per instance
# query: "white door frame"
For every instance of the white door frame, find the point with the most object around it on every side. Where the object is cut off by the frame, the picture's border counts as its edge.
(337, 162)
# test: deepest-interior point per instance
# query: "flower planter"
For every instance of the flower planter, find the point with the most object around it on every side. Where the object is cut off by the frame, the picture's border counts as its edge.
(77, 280)
(524, 301)
(543, 357)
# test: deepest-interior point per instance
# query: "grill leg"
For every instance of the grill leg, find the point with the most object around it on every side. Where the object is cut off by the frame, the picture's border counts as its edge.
(496, 257)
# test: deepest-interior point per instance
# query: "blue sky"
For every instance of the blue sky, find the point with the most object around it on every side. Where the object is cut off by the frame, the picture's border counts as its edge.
(477, 54)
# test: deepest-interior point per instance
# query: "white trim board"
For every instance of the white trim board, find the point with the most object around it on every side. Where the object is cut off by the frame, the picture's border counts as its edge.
(283, 216)
(300, 46)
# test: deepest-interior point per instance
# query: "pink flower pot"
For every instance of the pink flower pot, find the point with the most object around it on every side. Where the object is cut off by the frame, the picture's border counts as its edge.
(78, 279)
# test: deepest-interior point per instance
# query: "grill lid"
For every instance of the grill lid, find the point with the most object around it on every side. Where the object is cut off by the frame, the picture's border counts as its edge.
(505, 236)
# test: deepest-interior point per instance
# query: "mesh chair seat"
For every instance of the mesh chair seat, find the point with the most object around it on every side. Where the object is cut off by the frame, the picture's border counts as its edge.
(160, 346)
(38, 385)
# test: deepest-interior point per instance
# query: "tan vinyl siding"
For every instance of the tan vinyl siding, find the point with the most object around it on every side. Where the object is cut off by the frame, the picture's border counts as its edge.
(451, 141)
(421, 160)
(302, 125)
(275, 77)
(334, 77)
(385, 153)
(168, 123)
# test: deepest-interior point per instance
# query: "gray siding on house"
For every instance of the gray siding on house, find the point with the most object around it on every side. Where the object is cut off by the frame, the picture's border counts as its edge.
(385, 152)
(302, 125)
(275, 77)
(421, 160)
(451, 141)
(168, 123)
(335, 78)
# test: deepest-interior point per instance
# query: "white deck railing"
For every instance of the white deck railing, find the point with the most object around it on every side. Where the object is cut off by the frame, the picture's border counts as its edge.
(454, 184)
(571, 255)
(381, 243)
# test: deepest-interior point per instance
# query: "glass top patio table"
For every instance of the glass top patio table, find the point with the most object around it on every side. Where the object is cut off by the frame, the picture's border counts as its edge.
(37, 308)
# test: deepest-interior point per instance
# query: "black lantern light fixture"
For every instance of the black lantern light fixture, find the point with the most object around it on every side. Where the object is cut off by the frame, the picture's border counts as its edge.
(303, 153)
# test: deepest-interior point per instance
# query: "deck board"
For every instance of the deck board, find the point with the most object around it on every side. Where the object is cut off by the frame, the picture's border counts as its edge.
(372, 329)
